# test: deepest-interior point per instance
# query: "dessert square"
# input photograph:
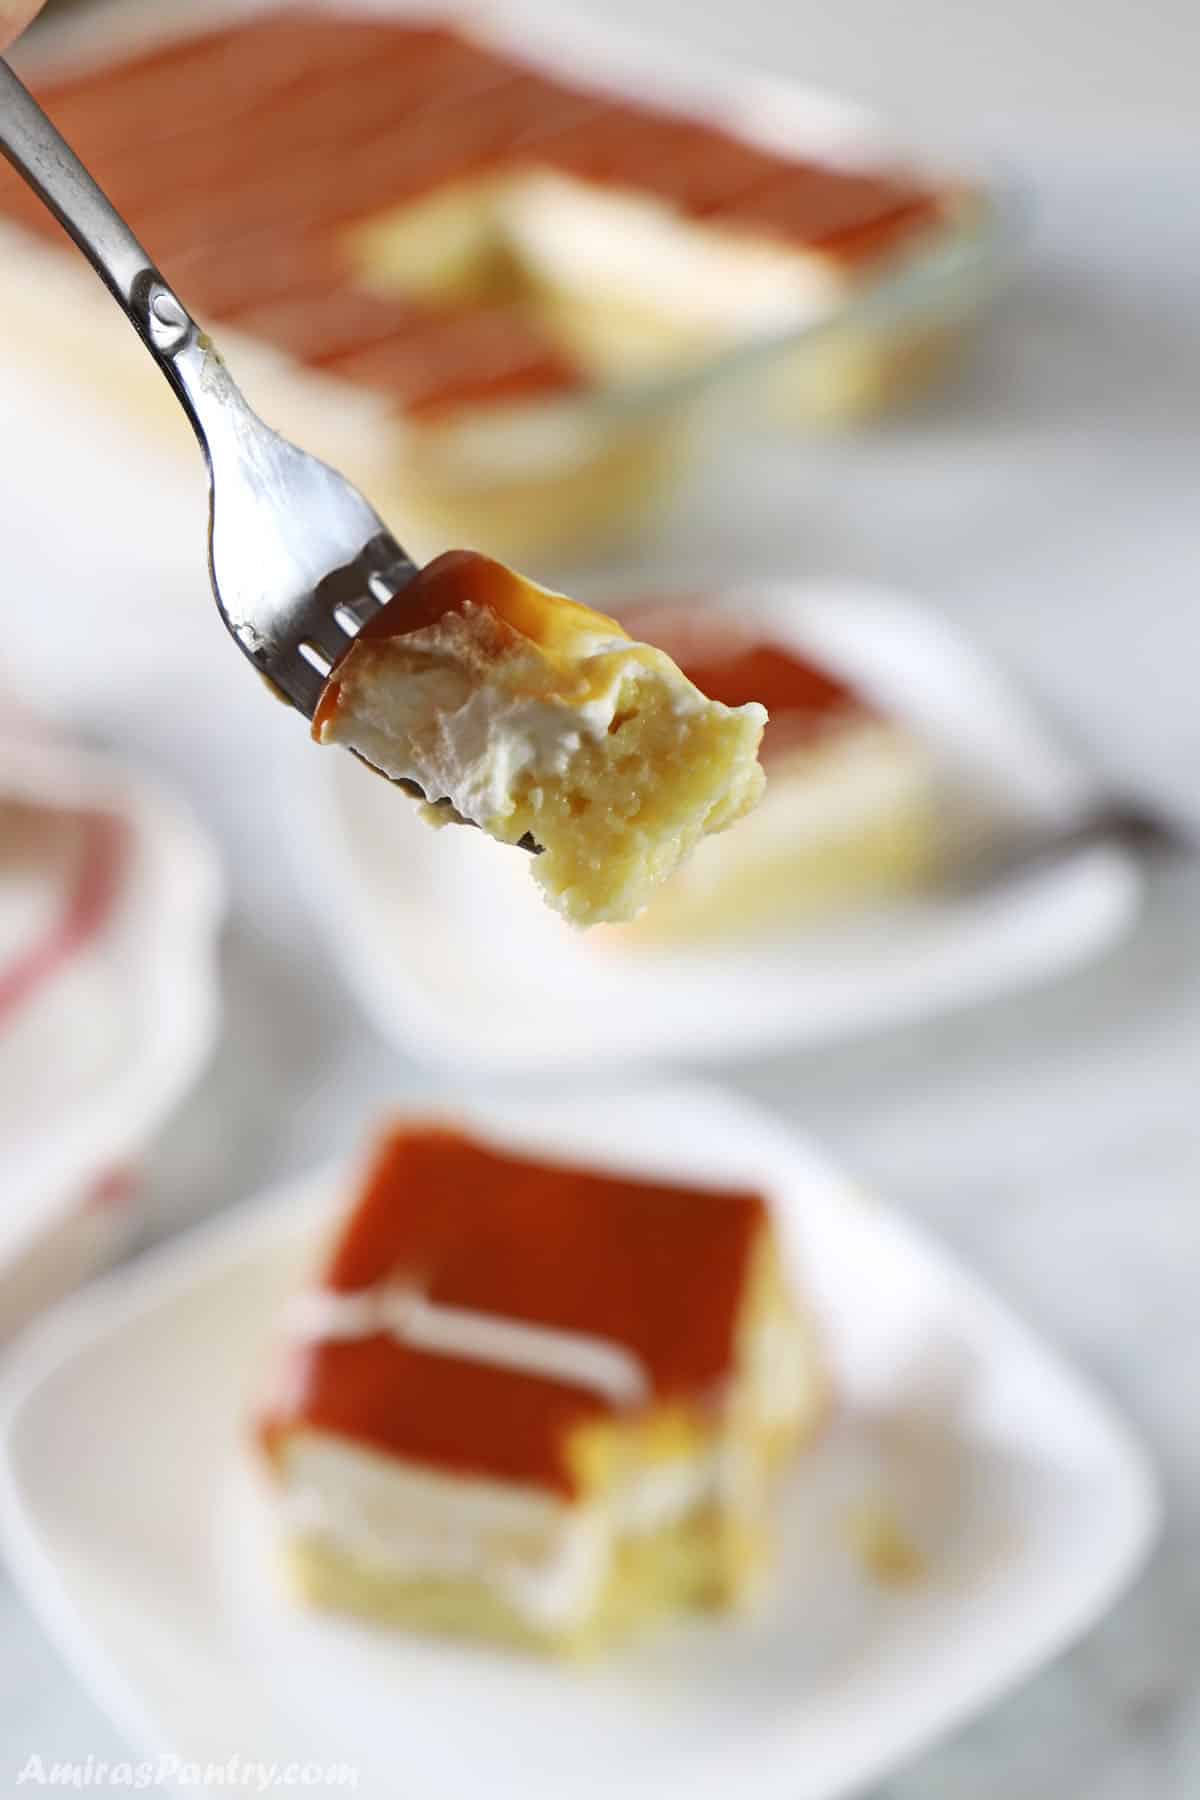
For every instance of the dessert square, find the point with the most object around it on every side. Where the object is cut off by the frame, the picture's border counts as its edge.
(851, 806)
(534, 1401)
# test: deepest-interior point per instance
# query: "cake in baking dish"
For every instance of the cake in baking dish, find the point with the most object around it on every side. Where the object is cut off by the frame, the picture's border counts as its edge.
(425, 250)
(520, 711)
(851, 807)
(534, 1401)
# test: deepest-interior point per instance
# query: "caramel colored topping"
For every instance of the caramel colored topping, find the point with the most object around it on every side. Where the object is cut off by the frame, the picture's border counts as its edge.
(655, 1269)
(465, 356)
(459, 578)
(852, 217)
(729, 662)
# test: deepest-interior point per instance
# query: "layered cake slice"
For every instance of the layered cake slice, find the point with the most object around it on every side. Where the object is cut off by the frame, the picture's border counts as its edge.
(851, 807)
(533, 1401)
(518, 710)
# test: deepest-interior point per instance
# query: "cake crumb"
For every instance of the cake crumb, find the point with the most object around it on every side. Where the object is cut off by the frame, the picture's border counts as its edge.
(882, 1545)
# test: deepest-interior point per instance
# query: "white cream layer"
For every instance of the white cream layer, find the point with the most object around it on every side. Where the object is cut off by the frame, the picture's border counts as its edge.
(579, 237)
(443, 714)
(782, 1375)
(572, 1357)
(548, 1559)
(779, 1366)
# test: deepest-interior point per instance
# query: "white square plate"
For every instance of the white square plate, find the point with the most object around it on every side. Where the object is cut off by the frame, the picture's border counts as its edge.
(131, 1520)
(452, 952)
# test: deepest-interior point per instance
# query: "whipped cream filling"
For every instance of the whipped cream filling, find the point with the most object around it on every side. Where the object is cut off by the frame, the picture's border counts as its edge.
(542, 438)
(575, 1358)
(548, 1559)
(444, 710)
(580, 237)
(781, 1372)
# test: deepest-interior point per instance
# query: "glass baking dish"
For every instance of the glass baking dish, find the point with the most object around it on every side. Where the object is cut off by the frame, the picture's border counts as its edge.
(579, 469)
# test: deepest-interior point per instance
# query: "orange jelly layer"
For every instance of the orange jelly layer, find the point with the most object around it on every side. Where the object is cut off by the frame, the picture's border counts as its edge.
(459, 578)
(729, 662)
(658, 1269)
(242, 155)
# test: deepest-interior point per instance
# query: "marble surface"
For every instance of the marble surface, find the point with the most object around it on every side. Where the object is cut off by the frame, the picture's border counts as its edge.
(1047, 501)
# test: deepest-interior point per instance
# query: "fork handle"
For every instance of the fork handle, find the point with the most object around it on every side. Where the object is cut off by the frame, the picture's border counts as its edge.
(46, 161)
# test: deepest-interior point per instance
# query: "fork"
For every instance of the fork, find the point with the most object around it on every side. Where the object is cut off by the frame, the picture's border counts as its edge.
(297, 558)
(994, 862)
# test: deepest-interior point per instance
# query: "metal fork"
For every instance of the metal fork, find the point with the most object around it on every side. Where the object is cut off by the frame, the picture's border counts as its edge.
(992, 862)
(298, 560)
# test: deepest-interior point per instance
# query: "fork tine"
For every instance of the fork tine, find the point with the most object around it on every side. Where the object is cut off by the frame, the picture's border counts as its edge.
(346, 598)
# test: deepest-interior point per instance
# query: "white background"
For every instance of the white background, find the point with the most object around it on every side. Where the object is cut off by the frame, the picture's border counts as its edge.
(1048, 500)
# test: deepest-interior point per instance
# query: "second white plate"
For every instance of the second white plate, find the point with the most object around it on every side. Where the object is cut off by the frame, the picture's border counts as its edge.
(118, 1020)
(452, 953)
(130, 1522)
